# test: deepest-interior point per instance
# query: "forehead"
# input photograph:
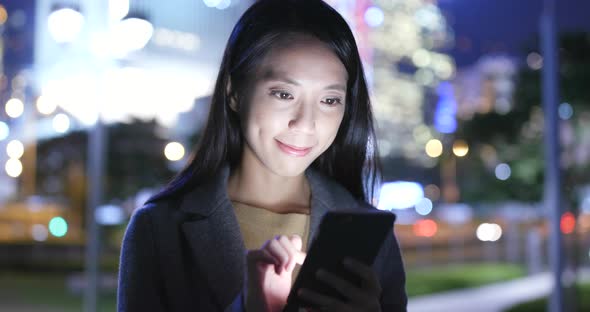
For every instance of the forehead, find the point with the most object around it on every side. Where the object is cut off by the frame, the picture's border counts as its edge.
(303, 58)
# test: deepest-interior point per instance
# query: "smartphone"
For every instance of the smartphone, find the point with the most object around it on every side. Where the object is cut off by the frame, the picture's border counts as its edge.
(358, 235)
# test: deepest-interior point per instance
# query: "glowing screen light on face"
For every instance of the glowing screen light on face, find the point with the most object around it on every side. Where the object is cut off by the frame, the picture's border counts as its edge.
(400, 195)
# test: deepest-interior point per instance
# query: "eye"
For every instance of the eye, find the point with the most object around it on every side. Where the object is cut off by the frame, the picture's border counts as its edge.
(281, 94)
(333, 101)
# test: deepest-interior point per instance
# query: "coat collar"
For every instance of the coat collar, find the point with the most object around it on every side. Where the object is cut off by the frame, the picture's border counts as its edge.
(215, 239)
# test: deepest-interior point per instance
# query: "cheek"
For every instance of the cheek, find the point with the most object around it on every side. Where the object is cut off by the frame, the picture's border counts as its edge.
(262, 120)
(330, 128)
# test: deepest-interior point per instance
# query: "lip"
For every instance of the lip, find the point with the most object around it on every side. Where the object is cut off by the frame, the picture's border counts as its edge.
(293, 150)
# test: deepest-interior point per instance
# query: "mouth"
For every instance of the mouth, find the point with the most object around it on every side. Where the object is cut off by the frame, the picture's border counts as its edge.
(293, 150)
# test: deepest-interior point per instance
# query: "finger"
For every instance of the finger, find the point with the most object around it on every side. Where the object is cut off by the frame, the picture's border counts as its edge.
(261, 255)
(298, 243)
(291, 250)
(325, 303)
(344, 287)
(277, 250)
(369, 279)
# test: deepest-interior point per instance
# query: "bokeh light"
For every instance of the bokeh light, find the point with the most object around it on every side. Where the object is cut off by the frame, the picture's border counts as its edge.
(566, 111)
(15, 149)
(424, 207)
(425, 228)
(13, 168)
(460, 148)
(46, 105)
(434, 148)
(58, 227)
(568, 223)
(14, 108)
(503, 171)
(488, 232)
(65, 25)
(118, 9)
(3, 15)
(39, 232)
(399, 195)
(224, 4)
(4, 131)
(432, 191)
(421, 58)
(174, 151)
(534, 60)
(61, 123)
(374, 16)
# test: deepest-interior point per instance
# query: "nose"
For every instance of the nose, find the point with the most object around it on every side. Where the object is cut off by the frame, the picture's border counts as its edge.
(303, 119)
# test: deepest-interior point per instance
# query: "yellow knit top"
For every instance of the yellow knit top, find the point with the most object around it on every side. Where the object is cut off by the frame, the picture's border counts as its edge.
(259, 225)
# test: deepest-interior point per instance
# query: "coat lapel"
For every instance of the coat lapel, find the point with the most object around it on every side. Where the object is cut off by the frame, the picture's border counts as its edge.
(217, 247)
(215, 240)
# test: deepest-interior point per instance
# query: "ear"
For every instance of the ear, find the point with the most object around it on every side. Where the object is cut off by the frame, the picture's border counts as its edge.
(232, 97)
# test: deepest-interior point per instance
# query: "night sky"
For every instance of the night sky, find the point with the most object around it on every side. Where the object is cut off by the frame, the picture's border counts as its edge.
(505, 26)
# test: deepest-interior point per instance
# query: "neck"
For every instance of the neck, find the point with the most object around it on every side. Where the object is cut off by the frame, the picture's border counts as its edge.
(254, 185)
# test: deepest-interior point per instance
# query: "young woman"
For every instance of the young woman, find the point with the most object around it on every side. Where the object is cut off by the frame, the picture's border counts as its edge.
(286, 141)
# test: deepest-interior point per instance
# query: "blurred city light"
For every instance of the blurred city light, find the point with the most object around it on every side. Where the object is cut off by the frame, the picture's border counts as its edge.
(176, 39)
(39, 232)
(109, 215)
(460, 148)
(65, 24)
(219, 4)
(224, 4)
(13, 167)
(424, 207)
(421, 58)
(118, 9)
(61, 123)
(4, 131)
(58, 227)
(174, 151)
(424, 76)
(18, 82)
(3, 15)
(374, 16)
(14, 108)
(503, 171)
(400, 195)
(446, 109)
(15, 149)
(566, 111)
(488, 232)
(534, 60)
(425, 228)
(434, 148)
(568, 223)
(46, 105)
(432, 191)
(133, 33)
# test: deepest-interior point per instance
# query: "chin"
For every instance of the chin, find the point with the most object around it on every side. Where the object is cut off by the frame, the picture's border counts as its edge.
(288, 168)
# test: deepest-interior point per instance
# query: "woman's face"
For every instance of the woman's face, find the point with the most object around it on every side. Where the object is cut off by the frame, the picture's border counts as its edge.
(295, 108)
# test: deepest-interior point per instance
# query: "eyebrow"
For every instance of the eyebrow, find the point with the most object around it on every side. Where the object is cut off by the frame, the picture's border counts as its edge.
(272, 75)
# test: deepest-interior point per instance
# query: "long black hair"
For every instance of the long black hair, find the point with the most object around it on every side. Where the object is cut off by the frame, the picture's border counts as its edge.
(351, 160)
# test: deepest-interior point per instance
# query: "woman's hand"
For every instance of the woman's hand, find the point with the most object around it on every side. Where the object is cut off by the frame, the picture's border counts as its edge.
(365, 298)
(270, 271)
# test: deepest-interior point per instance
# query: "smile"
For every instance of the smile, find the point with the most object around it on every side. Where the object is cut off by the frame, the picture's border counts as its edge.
(293, 150)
